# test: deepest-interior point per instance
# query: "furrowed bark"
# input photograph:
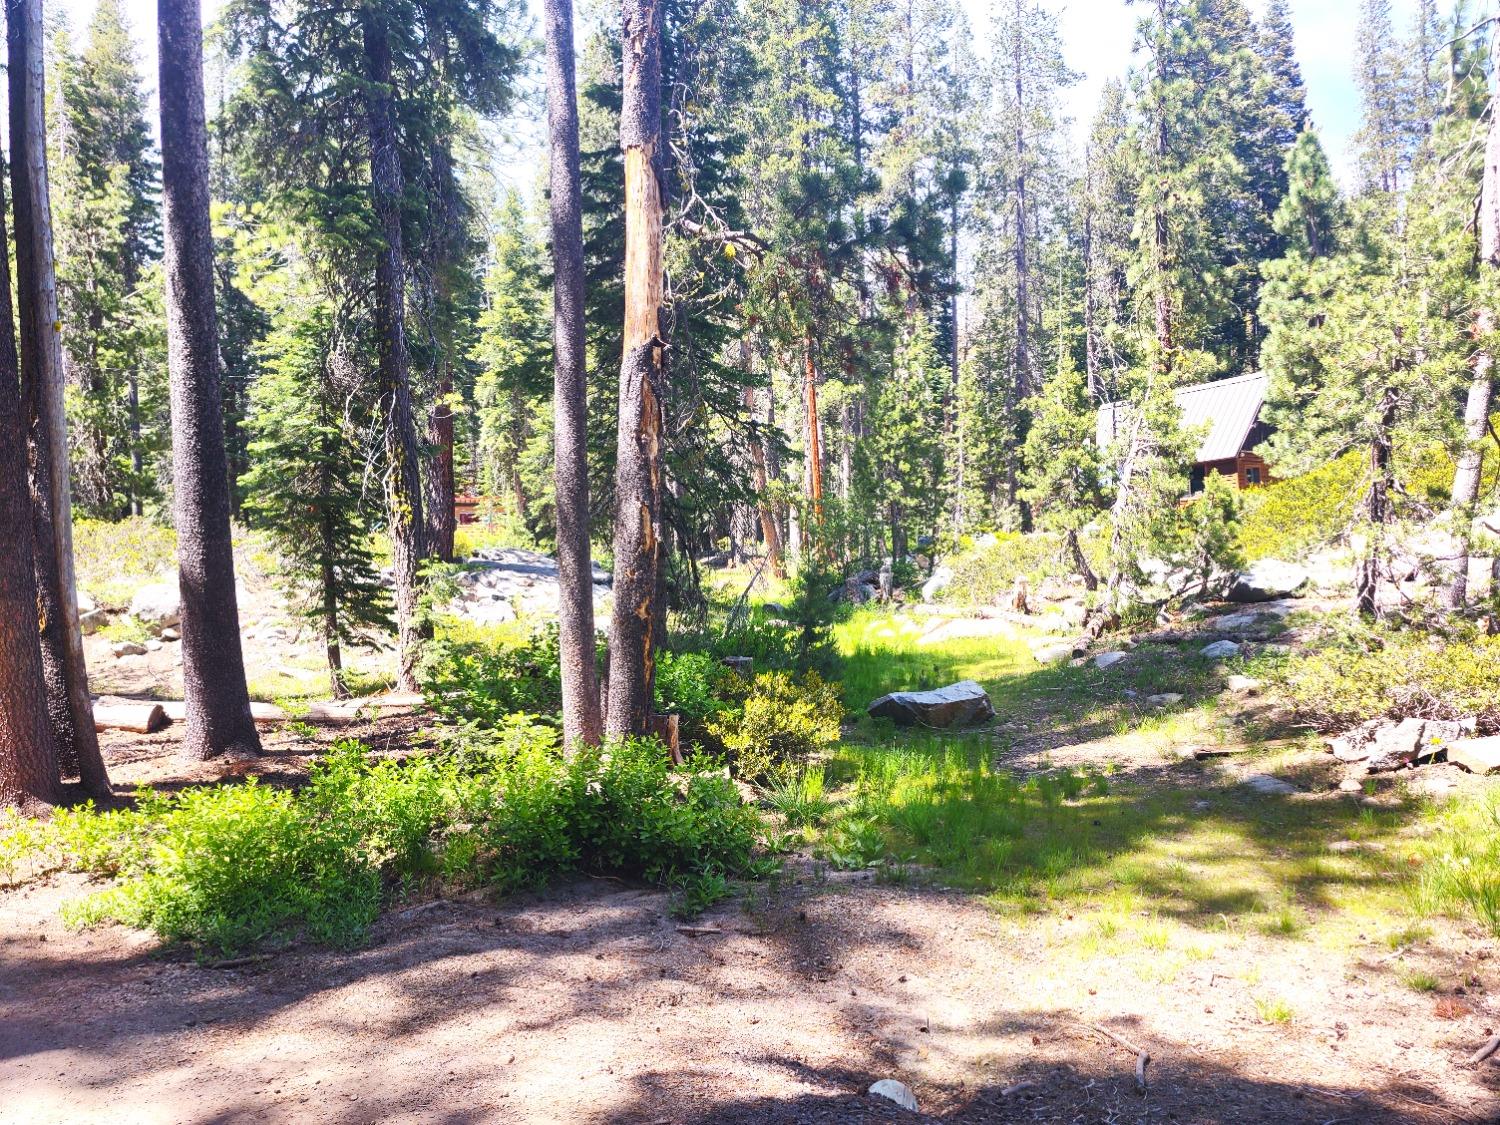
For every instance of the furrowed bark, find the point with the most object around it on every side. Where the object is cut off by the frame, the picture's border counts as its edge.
(213, 664)
(403, 478)
(583, 723)
(28, 751)
(42, 389)
(638, 482)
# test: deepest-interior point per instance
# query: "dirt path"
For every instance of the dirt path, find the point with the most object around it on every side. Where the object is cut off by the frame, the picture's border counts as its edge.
(588, 1004)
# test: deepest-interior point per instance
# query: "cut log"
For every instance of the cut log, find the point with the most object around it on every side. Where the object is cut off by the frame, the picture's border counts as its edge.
(141, 718)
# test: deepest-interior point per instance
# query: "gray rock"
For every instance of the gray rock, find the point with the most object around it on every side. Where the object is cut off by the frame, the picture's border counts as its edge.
(170, 635)
(92, 621)
(158, 605)
(898, 1092)
(1053, 654)
(1243, 685)
(956, 704)
(153, 645)
(1351, 785)
(127, 648)
(1108, 659)
(941, 579)
(86, 604)
(1385, 745)
(1219, 650)
(1266, 581)
(1270, 786)
(1477, 755)
(1234, 622)
(1164, 699)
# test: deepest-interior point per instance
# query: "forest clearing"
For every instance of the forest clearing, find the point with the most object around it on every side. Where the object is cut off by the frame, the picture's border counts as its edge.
(698, 561)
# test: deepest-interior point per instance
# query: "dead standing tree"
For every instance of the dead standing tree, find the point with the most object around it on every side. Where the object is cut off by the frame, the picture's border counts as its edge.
(638, 472)
(42, 378)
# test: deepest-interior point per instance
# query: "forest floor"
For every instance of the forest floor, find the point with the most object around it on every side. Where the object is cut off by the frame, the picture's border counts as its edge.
(1251, 942)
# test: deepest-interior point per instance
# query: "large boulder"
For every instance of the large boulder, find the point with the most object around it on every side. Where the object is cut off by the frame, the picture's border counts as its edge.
(158, 606)
(1219, 650)
(1385, 745)
(941, 579)
(1477, 755)
(954, 705)
(1266, 581)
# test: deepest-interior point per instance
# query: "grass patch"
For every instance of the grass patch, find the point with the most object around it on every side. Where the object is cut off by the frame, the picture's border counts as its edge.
(1274, 1010)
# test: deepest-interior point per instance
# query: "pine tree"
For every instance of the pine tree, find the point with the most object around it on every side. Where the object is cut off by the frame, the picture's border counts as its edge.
(108, 235)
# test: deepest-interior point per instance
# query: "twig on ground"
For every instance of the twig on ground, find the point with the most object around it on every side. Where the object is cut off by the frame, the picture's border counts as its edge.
(238, 962)
(696, 931)
(1142, 1056)
(1490, 1047)
(1016, 1088)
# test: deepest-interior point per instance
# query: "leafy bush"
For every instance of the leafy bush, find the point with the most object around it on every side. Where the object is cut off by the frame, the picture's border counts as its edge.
(229, 867)
(116, 559)
(1290, 518)
(692, 684)
(1364, 673)
(986, 575)
(782, 721)
(485, 679)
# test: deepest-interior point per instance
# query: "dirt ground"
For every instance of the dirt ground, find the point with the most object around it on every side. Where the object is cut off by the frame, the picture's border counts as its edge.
(590, 1004)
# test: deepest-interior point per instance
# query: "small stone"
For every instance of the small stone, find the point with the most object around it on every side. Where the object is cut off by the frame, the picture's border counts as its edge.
(1236, 621)
(1219, 650)
(1164, 699)
(1270, 786)
(1350, 785)
(1108, 659)
(1243, 685)
(158, 605)
(127, 648)
(171, 635)
(898, 1092)
(1053, 654)
(91, 621)
(153, 645)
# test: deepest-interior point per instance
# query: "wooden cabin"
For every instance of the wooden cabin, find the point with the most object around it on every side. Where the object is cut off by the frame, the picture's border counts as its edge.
(1227, 413)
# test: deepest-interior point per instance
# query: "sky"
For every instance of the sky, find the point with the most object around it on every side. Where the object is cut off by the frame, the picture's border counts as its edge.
(1097, 41)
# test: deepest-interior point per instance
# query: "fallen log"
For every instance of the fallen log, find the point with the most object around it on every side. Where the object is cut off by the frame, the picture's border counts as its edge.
(139, 718)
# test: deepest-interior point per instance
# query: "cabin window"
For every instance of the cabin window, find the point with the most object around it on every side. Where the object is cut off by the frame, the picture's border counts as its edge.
(1195, 480)
(1252, 474)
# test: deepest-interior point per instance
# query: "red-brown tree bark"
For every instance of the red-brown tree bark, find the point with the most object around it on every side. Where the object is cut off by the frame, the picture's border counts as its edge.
(28, 752)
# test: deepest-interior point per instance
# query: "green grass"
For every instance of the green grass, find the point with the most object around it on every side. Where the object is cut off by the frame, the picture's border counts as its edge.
(1274, 1010)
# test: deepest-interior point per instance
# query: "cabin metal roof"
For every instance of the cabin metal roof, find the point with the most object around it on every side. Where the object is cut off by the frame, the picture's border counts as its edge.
(1228, 408)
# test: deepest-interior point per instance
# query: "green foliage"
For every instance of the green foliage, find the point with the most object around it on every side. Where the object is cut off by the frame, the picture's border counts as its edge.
(229, 867)
(483, 680)
(115, 559)
(782, 721)
(1366, 672)
(1291, 517)
(1459, 869)
(985, 575)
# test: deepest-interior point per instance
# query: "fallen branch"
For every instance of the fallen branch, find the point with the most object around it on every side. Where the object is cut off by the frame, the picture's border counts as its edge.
(696, 931)
(1142, 1057)
(238, 962)
(1016, 1088)
(1490, 1047)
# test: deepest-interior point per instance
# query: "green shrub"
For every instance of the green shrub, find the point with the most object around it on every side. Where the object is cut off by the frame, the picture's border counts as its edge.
(1292, 517)
(986, 575)
(1364, 673)
(782, 721)
(116, 559)
(228, 867)
(692, 684)
(484, 680)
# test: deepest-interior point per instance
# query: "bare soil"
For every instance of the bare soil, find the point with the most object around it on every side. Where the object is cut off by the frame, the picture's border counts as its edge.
(590, 1004)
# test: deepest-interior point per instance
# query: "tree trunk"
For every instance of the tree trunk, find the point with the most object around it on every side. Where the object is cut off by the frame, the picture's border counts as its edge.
(638, 460)
(1470, 468)
(213, 664)
(42, 389)
(1377, 512)
(768, 529)
(1090, 297)
(814, 438)
(441, 521)
(403, 474)
(582, 722)
(28, 751)
(1025, 372)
